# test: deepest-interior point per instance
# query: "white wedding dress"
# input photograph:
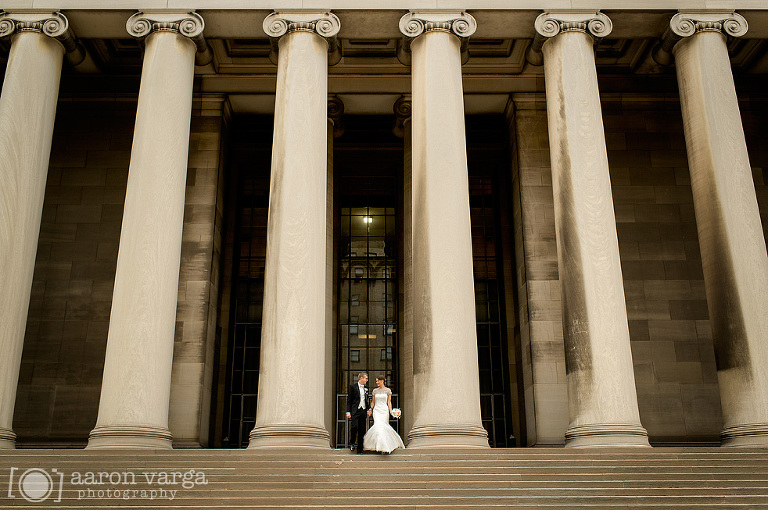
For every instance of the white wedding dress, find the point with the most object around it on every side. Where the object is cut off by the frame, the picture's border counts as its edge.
(381, 437)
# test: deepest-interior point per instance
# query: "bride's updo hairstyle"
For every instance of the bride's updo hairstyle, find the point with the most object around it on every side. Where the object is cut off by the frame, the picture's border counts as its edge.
(381, 378)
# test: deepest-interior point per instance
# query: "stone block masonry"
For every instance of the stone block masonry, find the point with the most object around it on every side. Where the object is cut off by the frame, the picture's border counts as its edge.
(670, 333)
(64, 347)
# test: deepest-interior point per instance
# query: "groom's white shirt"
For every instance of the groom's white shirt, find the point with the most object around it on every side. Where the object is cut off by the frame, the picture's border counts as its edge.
(362, 396)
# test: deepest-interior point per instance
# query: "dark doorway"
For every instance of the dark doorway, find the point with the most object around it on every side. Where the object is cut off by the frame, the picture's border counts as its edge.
(244, 258)
(368, 167)
(487, 153)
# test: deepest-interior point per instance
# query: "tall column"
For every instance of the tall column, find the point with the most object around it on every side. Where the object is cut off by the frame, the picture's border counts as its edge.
(291, 404)
(335, 130)
(733, 250)
(27, 111)
(402, 128)
(602, 399)
(445, 372)
(135, 390)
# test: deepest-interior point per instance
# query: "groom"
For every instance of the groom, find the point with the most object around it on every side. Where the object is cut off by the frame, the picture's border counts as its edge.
(357, 410)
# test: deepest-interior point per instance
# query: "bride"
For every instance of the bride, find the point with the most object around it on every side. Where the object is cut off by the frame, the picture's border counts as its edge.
(381, 437)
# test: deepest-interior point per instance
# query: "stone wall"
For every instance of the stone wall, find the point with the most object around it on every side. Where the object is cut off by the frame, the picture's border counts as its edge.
(199, 277)
(543, 356)
(671, 338)
(63, 358)
(672, 349)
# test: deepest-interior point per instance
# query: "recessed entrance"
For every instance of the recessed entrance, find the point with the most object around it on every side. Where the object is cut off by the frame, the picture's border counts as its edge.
(368, 285)
(368, 168)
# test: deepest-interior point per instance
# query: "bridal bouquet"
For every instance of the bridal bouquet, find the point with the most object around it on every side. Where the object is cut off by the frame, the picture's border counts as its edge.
(396, 413)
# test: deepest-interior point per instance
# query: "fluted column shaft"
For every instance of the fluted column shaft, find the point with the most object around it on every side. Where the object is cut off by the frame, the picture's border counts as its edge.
(445, 371)
(602, 399)
(733, 249)
(27, 111)
(135, 391)
(293, 344)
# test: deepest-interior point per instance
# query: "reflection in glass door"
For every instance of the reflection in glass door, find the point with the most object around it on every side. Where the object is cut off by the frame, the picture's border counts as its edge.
(367, 338)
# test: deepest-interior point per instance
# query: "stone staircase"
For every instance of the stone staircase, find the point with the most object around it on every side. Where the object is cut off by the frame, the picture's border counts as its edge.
(524, 478)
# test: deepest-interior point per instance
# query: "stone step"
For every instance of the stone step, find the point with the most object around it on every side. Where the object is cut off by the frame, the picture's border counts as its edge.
(491, 478)
(696, 478)
(395, 461)
(470, 480)
(258, 467)
(705, 485)
(479, 452)
(660, 503)
(320, 500)
(698, 486)
(389, 460)
(342, 489)
(466, 504)
(398, 462)
(383, 461)
(396, 455)
(413, 465)
(507, 475)
(497, 452)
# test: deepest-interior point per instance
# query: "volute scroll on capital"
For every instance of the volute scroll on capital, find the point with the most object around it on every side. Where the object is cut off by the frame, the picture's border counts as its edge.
(279, 23)
(53, 24)
(186, 24)
(688, 23)
(551, 24)
(336, 114)
(322, 23)
(416, 23)
(403, 111)
(460, 24)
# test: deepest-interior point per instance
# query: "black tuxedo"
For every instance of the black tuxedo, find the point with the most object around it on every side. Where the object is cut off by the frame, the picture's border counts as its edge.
(359, 415)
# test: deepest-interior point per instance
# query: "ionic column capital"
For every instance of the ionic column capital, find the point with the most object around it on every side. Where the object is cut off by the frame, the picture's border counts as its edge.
(416, 23)
(187, 24)
(52, 24)
(458, 23)
(688, 23)
(550, 24)
(323, 23)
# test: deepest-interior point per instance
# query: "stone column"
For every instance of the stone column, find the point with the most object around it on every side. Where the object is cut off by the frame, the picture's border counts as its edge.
(335, 130)
(291, 405)
(733, 250)
(602, 399)
(27, 111)
(135, 390)
(402, 128)
(445, 373)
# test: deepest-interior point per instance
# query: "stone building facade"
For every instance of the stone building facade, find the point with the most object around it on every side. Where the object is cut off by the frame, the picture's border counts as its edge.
(542, 223)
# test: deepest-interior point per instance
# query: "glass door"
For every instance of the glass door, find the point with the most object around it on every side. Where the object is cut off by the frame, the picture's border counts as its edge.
(367, 290)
